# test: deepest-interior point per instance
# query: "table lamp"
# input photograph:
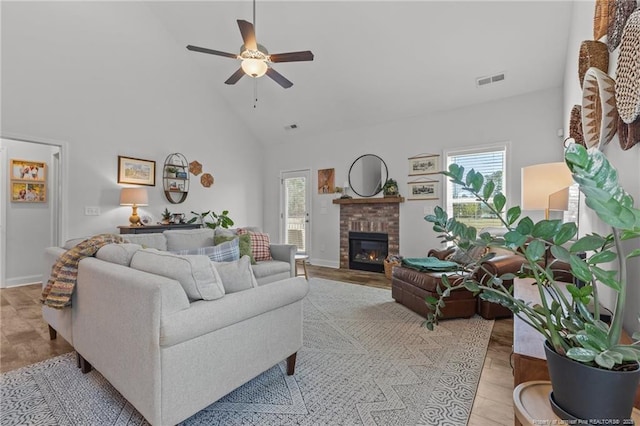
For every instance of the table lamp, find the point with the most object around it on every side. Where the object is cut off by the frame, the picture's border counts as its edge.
(540, 181)
(134, 197)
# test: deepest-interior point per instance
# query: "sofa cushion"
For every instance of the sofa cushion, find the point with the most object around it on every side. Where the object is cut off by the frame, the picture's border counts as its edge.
(244, 242)
(270, 267)
(196, 273)
(155, 240)
(259, 244)
(236, 276)
(462, 257)
(118, 253)
(181, 239)
(225, 252)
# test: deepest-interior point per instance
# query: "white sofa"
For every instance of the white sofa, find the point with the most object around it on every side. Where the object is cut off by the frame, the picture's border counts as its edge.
(170, 356)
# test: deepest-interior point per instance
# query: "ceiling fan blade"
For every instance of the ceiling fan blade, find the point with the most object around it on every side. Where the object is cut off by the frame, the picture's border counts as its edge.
(235, 77)
(248, 34)
(292, 56)
(278, 78)
(212, 52)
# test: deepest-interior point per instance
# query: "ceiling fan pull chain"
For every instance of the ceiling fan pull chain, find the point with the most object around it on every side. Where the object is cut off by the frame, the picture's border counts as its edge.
(255, 92)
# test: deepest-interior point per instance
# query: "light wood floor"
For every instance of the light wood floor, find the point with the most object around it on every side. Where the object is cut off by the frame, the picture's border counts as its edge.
(24, 340)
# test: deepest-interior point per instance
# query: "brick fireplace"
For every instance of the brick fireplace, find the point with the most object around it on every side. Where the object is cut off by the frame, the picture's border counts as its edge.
(371, 215)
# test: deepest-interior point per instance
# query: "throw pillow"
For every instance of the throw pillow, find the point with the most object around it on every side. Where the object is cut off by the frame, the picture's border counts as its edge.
(244, 241)
(195, 273)
(259, 244)
(225, 252)
(236, 276)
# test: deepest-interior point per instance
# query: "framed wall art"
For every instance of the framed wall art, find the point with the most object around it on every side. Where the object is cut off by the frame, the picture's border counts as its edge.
(424, 164)
(28, 192)
(326, 181)
(136, 171)
(423, 190)
(28, 170)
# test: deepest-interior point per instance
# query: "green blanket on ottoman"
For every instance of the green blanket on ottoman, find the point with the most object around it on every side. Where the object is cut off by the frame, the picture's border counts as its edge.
(430, 264)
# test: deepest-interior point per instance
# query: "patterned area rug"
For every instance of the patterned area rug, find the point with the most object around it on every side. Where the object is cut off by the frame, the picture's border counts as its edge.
(366, 361)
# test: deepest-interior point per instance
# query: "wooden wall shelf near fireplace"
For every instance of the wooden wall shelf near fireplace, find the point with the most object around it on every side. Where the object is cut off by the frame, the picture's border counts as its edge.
(368, 200)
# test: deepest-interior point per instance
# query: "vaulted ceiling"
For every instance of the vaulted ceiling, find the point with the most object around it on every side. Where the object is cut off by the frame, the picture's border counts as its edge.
(375, 61)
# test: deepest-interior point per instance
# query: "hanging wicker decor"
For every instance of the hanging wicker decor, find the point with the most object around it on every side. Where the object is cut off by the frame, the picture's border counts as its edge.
(592, 54)
(619, 12)
(600, 19)
(206, 180)
(575, 125)
(628, 71)
(629, 134)
(195, 168)
(599, 114)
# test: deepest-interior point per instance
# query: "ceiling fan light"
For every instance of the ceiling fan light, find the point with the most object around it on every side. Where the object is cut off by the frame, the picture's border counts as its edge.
(254, 67)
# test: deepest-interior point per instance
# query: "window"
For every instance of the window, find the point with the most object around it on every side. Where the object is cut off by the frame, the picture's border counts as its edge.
(461, 204)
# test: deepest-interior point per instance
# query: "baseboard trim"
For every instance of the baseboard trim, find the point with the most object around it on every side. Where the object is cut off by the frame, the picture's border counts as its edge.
(326, 263)
(22, 281)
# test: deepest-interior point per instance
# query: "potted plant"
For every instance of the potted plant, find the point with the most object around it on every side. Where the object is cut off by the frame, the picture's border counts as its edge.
(575, 336)
(166, 216)
(171, 171)
(390, 188)
(218, 220)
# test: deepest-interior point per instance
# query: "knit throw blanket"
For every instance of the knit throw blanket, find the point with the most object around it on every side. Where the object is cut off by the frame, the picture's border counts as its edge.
(430, 264)
(64, 274)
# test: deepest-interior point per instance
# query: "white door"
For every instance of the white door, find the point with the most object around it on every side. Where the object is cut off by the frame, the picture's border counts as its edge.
(295, 194)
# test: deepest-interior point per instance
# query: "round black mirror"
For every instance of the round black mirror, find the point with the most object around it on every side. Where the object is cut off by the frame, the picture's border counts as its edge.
(367, 175)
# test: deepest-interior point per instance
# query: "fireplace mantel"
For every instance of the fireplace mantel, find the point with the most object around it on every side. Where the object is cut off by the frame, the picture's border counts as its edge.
(368, 200)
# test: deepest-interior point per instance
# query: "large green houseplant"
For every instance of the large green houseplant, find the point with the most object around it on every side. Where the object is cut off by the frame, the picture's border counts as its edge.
(570, 323)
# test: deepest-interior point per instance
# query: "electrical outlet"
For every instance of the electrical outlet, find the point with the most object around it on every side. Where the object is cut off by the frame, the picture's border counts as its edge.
(91, 211)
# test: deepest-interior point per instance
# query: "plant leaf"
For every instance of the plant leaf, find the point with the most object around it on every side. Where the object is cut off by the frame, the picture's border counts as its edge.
(567, 231)
(579, 268)
(499, 201)
(582, 354)
(513, 214)
(586, 243)
(535, 250)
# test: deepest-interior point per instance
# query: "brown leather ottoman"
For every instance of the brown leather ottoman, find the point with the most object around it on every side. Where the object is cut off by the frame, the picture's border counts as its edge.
(410, 287)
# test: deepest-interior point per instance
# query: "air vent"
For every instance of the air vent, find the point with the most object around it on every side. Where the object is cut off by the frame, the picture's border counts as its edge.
(484, 81)
(291, 127)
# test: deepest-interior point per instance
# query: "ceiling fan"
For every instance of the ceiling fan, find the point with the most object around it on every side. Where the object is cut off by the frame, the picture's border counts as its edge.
(255, 57)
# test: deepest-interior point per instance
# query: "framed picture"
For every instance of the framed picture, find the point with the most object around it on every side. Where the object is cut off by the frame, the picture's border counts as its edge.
(424, 164)
(424, 190)
(28, 170)
(136, 171)
(28, 192)
(326, 181)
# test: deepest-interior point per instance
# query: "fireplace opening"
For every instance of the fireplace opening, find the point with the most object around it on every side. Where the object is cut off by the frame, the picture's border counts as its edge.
(368, 250)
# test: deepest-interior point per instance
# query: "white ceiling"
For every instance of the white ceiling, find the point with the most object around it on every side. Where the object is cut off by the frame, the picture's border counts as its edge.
(374, 61)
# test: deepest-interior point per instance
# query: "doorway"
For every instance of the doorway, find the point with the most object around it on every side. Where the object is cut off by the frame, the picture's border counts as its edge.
(295, 193)
(29, 227)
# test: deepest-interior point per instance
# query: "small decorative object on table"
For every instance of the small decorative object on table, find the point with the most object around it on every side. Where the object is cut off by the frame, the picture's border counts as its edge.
(166, 216)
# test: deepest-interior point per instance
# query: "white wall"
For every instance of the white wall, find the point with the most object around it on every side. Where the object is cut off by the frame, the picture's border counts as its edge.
(530, 122)
(626, 162)
(109, 80)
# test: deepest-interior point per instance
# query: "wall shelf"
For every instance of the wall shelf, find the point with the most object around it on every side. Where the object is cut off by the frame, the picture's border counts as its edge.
(176, 186)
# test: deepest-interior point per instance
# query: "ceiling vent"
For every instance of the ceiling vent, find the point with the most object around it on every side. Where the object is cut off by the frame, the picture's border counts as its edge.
(291, 127)
(484, 81)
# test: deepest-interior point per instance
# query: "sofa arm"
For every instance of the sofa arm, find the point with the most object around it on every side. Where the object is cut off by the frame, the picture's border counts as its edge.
(499, 265)
(285, 253)
(441, 254)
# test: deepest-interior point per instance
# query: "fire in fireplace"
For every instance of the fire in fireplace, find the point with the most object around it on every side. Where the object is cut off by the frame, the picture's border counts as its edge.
(368, 250)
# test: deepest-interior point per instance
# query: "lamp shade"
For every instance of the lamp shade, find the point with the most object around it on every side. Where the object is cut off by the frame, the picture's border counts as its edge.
(559, 200)
(134, 197)
(542, 180)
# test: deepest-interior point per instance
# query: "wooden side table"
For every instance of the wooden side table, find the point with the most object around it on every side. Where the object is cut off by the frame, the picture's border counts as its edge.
(531, 405)
(301, 259)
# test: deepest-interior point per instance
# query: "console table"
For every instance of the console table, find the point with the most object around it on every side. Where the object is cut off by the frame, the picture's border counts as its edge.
(150, 229)
(529, 360)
